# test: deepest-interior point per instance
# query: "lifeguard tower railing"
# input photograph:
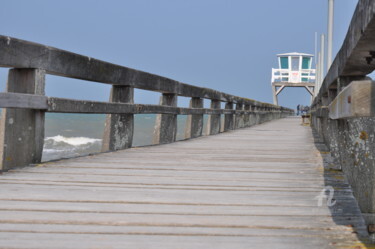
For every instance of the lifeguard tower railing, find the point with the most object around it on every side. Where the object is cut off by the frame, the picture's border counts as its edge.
(290, 76)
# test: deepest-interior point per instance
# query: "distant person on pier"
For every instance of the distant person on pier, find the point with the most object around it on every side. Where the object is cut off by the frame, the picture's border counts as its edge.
(298, 108)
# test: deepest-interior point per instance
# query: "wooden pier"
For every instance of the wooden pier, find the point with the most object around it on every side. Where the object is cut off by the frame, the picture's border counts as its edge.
(256, 187)
(260, 179)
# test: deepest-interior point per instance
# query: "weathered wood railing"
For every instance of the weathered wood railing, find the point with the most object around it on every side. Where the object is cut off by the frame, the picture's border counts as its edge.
(343, 111)
(22, 123)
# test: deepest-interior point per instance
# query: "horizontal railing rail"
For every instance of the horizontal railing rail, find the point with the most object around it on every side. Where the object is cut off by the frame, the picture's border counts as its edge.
(26, 103)
(16, 53)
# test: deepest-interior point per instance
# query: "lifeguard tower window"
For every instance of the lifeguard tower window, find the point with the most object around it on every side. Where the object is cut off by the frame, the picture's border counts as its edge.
(284, 62)
(306, 63)
(295, 63)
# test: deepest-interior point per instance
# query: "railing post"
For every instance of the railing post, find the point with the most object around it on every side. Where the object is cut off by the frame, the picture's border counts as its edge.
(253, 116)
(119, 128)
(247, 116)
(264, 115)
(194, 123)
(239, 117)
(228, 118)
(22, 130)
(166, 124)
(268, 114)
(214, 121)
(256, 115)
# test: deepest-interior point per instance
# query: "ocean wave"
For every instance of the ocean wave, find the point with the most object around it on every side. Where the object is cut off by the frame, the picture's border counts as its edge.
(75, 141)
(61, 147)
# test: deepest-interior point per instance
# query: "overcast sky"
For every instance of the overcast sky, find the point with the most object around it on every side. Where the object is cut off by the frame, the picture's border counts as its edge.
(227, 45)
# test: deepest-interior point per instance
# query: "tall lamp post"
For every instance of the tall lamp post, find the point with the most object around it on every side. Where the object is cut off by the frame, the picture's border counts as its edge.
(330, 33)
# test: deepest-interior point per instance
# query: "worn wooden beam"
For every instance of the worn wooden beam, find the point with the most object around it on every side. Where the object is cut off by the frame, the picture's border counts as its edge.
(16, 53)
(119, 128)
(247, 115)
(355, 100)
(22, 130)
(228, 118)
(239, 116)
(194, 123)
(214, 121)
(301, 84)
(20, 100)
(166, 124)
(359, 42)
(61, 105)
(280, 90)
(309, 90)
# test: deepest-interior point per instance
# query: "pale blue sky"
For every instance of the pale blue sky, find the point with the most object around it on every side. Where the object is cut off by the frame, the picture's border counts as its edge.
(226, 45)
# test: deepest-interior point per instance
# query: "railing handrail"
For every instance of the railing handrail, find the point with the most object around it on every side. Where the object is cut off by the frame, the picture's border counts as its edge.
(351, 60)
(289, 70)
(67, 64)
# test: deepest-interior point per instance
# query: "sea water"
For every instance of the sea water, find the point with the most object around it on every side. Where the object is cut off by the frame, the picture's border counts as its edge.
(71, 135)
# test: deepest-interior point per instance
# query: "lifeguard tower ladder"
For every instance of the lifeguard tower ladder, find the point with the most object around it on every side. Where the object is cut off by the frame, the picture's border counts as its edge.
(294, 71)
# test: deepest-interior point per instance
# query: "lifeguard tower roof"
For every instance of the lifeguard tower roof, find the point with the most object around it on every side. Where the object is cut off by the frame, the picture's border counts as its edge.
(295, 54)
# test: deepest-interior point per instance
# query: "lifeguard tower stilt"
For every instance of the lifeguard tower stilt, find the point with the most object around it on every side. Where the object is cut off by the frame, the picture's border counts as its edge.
(294, 71)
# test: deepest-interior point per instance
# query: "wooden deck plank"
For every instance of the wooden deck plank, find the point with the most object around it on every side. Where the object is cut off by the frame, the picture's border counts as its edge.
(174, 230)
(90, 207)
(250, 188)
(67, 241)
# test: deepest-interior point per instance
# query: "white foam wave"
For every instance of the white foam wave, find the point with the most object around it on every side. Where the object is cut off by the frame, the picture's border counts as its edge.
(50, 150)
(75, 141)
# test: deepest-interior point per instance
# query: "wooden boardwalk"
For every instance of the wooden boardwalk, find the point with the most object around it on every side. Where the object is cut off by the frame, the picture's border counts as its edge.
(250, 188)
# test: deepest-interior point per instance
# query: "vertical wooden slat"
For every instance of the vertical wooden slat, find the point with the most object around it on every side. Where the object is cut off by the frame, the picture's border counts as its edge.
(119, 128)
(194, 123)
(214, 121)
(166, 124)
(21, 130)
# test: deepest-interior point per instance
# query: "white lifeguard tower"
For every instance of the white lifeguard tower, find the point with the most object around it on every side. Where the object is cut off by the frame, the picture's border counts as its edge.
(294, 71)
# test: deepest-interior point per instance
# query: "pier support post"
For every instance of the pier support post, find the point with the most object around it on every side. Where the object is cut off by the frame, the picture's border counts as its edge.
(22, 130)
(166, 124)
(268, 114)
(194, 123)
(239, 117)
(119, 128)
(214, 119)
(256, 115)
(253, 116)
(247, 116)
(228, 118)
(274, 94)
(264, 114)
